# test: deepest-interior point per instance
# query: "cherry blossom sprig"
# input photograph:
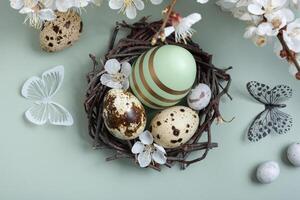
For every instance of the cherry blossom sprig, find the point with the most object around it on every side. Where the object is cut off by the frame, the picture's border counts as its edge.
(180, 25)
(39, 11)
(270, 19)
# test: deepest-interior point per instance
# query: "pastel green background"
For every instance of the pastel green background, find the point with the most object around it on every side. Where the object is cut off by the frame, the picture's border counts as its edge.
(47, 163)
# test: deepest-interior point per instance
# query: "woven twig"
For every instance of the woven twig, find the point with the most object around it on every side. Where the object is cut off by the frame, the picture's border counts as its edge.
(130, 48)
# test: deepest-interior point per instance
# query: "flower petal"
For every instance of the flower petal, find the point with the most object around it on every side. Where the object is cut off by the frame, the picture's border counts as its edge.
(278, 3)
(131, 11)
(16, 4)
(193, 18)
(255, 9)
(47, 14)
(169, 30)
(250, 32)
(266, 28)
(112, 66)
(126, 69)
(106, 79)
(125, 84)
(156, 2)
(63, 5)
(159, 157)
(144, 159)
(139, 4)
(116, 4)
(202, 1)
(160, 148)
(146, 138)
(26, 10)
(138, 147)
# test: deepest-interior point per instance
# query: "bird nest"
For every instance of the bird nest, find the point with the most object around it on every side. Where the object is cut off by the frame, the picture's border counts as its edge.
(129, 49)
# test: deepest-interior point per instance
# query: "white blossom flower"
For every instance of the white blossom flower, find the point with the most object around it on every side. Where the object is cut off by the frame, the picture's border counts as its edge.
(238, 8)
(128, 7)
(252, 33)
(37, 16)
(148, 151)
(292, 35)
(117, 74)
(19, 4)
(182, 27)
(275, 21)
(262, 7)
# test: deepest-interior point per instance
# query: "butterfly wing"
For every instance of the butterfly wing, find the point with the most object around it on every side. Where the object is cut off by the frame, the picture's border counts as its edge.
(282, 122)
(280, 93)
(259, 91)
(37, 114)
(261, 126)
(58, 115)
(38, 89)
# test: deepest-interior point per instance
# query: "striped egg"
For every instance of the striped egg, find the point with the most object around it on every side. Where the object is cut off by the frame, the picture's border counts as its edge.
(162, 76)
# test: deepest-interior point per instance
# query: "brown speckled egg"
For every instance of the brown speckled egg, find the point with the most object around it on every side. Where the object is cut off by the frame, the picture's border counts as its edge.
(174, 126)
(62, 32)
(124, 115)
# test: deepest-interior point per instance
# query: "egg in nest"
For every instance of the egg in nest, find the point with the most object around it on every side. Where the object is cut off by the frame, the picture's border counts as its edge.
(123, 114)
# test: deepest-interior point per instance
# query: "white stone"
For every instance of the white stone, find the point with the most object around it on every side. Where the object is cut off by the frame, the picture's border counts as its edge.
(267, 172)
(293, 154)
(199, 97)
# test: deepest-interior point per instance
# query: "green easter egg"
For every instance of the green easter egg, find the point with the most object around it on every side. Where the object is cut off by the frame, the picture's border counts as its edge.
(162, 76)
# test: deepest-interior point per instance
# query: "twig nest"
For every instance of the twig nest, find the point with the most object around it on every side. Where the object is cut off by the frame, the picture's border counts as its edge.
(199, 97)
(293, 154)
(162, 76)
(174, 126)
(62, 32)
(267, 172)
(123, 114)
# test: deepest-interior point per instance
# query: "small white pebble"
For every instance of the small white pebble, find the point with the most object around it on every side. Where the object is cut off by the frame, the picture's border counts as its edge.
(293, 154)
(267, 172)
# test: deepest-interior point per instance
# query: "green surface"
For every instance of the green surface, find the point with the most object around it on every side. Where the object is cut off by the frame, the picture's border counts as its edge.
(47, 163)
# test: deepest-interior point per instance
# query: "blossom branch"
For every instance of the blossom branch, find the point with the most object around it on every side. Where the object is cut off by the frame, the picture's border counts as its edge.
(160, 32)
(290, 54)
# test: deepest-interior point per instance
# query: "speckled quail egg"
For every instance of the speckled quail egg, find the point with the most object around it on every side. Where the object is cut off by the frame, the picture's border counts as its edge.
(62, 32)
(199, 97)
(267, 172)
(124, 115)
(174, 126)
(293, 154)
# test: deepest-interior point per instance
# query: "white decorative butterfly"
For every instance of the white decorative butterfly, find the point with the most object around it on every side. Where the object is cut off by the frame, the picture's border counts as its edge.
(41, 90)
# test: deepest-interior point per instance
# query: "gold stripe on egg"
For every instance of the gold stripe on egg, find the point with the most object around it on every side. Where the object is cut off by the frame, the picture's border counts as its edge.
(156, 79)
(147, 86)
(139, 92)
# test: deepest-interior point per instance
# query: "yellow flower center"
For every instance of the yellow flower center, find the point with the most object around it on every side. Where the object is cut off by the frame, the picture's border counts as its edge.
(128, 3)
(119, 77)
(29, 3)
(276, 22)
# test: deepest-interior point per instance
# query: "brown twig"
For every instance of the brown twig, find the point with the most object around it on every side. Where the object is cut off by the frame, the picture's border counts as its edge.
(160, 32)
(129, 48)
(291, 57)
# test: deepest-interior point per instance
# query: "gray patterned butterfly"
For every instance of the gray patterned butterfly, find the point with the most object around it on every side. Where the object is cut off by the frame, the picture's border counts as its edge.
(271, 119)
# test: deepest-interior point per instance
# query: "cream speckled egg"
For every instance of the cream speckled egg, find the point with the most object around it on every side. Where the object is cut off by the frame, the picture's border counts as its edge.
(199, 97)
(293, 154)
(268, 172)
(174, 126)
(62, 32)
(124, 115)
